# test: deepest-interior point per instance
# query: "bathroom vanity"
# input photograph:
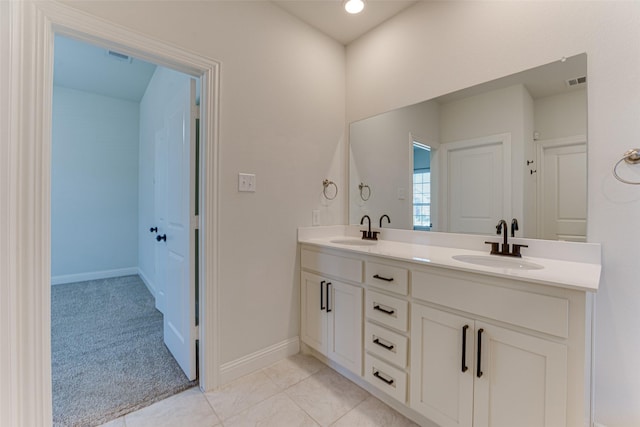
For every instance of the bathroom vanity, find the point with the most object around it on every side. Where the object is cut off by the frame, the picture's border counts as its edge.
(448, 334)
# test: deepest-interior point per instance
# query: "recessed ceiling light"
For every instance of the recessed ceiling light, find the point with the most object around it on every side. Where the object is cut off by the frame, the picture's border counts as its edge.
(354, 6)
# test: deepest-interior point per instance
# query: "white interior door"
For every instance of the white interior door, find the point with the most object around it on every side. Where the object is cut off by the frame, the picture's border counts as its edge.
(563, 192)
(160, 200)
(180, 331)
(477, 174)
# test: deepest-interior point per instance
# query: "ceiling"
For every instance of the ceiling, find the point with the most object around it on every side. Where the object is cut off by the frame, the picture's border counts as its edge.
(82, 66)
(329, 16)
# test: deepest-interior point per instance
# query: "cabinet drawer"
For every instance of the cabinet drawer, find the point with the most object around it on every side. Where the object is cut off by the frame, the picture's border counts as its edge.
(388, 277)
(533, 311)
(345, 268)
(387, 378)
(386, 344)
(387, 310)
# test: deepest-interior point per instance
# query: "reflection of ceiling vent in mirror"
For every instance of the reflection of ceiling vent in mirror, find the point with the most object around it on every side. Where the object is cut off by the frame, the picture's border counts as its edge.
(577, 81)
(119, 56)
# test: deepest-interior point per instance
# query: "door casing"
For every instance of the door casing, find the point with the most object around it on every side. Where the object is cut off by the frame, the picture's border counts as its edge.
(33, 25)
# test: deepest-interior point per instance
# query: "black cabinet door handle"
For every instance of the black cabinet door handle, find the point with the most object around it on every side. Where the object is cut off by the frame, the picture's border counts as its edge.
(322, 307)
(381, 344)
(328, 298)
(153, 229)
(479, 367)
(161, 238)
(386, 279)
(389, 312)
(464, 348)
(377, 375)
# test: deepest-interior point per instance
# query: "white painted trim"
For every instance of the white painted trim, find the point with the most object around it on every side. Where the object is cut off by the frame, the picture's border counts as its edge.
(258, 360)
(148, 283)
(93, 275)
(26, 243)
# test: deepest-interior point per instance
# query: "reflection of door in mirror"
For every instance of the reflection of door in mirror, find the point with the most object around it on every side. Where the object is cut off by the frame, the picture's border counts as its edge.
(421, 186)
(562, 189)
(477, 173)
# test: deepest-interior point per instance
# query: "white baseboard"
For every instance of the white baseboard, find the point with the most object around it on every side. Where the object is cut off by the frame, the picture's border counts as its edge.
(82, 277)
(147, 282)
(260, 359)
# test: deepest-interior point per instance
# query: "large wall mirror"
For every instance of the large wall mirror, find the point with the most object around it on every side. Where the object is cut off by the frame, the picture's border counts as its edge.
(511, 148)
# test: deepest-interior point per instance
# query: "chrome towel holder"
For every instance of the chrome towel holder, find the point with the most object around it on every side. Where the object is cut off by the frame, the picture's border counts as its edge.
(631, 157)
(364, 189)
(326, 184)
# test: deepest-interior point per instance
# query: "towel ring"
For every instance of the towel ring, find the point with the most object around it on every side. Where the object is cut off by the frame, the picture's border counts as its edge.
(364, 188)
(326, 184)
(631, 157)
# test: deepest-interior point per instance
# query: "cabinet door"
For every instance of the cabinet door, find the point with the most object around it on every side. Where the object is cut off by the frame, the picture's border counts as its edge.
(442, 356)
(313, 325)
(522, 380)
(345, 325)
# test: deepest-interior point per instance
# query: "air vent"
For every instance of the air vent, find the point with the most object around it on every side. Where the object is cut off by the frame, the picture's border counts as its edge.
(119, 56)
(577, 81)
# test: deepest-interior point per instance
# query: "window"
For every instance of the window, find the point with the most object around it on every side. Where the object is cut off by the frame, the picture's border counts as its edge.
(422, 200)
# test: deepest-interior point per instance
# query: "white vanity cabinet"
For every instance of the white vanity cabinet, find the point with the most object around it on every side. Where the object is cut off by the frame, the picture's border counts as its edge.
(492, 352)
(331, 320)
(472, 373)
(454, 347)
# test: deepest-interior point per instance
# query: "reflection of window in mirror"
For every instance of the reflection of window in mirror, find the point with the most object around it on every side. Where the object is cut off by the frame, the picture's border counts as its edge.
(421, 186)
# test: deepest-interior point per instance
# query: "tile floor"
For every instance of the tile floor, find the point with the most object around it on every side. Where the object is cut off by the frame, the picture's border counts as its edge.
(298, 391)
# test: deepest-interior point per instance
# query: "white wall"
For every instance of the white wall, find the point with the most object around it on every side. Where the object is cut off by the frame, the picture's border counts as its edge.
(94, 186)
(448, 46)
(281, 117)
(562, 115)
(160, 92)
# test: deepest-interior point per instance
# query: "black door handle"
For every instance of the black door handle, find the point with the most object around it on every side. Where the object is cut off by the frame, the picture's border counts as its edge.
(464, 348)
(386, 279)
(328, 298)
(161, 238)
(153, 229)
(479, 368)
(322, 307)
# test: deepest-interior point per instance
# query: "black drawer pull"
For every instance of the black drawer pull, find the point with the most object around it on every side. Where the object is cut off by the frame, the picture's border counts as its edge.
(322, 307)
(381, 344)
(389, 312)
(377, 375)
(328, 298)
(479, 368)
(386, 279)
(464, 348)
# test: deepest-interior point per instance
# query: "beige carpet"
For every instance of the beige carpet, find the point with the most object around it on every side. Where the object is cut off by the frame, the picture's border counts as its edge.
(107, 351)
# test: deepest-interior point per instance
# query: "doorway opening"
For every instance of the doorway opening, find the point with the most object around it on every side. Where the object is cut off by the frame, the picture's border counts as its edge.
(124, 223)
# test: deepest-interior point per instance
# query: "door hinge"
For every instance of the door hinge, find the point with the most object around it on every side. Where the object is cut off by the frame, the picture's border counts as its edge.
(195, 222)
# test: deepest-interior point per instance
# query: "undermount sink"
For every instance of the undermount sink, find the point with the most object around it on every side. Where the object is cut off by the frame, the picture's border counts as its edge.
(498, 262)
(354, 242)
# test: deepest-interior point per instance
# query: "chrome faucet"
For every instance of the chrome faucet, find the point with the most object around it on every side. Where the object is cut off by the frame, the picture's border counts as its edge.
(501, 228)
(368, 234)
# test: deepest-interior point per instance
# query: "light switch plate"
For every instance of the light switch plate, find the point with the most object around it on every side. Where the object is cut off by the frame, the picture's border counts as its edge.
(315, 217)
(246, 182)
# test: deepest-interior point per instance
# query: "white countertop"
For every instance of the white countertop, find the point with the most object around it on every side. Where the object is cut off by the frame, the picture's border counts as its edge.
(572, 274)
